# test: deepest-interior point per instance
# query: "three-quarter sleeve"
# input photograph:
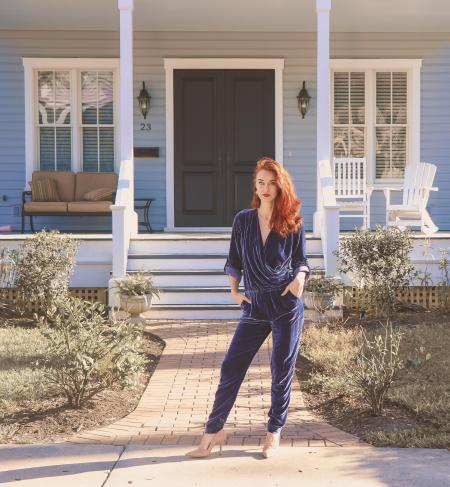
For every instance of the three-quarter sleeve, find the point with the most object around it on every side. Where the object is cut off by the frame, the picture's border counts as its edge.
(233, 264)
(299, 260)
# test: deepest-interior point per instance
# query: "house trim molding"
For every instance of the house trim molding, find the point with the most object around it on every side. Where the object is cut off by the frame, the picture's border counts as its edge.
(277, 64)
(31, 65)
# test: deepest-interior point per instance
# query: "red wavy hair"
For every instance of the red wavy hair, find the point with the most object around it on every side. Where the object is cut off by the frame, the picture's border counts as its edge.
(286, 216)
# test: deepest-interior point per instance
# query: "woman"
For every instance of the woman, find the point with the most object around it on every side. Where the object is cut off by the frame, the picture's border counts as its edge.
(268, 245)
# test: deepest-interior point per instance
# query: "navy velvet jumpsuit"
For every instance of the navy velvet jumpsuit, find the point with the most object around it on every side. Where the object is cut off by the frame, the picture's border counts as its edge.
(268, 268)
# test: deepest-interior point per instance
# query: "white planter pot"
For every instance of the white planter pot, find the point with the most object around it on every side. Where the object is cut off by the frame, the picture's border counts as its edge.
(136, 305)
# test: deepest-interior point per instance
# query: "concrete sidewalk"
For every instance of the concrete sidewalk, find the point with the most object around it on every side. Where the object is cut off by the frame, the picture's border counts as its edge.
(156, 465)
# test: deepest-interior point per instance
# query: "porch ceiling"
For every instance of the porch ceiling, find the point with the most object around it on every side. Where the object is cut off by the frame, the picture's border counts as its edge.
(232, 15)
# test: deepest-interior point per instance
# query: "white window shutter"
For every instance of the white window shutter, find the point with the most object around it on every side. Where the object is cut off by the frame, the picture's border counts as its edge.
(391, 119)
(349, 114)
(54, 120)
(97, 120)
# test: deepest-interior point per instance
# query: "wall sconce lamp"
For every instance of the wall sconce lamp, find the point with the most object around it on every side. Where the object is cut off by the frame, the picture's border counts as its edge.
(303, 100)
(144, 100)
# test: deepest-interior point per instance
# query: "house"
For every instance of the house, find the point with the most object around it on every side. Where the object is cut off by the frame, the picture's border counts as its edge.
(223, 79)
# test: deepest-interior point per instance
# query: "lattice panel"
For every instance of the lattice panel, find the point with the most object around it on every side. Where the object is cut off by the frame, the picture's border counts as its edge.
(9, 295)
(431, 297)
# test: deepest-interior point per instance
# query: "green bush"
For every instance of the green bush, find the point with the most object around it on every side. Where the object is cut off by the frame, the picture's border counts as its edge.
(44, 265)
(379, 262)
(89, 352)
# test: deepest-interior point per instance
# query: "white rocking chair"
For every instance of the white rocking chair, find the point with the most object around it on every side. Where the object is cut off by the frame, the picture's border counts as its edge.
(418, 183)
(351, 189)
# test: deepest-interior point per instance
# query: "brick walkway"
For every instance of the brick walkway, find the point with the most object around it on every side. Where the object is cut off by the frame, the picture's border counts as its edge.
(179, 396)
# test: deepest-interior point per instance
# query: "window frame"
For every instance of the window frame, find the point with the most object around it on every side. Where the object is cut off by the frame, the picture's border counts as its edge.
(75, 66)
(370, 67)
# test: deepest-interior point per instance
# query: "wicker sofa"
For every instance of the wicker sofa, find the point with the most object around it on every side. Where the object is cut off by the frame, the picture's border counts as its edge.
(71, 189)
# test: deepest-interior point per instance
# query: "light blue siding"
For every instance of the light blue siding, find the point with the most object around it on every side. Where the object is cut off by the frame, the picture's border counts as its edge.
(299, 52)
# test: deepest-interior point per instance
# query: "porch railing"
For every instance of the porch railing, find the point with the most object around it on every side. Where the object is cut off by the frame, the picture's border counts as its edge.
(123, 216)
(329, 217)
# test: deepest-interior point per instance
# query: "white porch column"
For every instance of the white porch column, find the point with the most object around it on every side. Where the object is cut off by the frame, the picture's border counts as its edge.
(323, 8)
(126, 8)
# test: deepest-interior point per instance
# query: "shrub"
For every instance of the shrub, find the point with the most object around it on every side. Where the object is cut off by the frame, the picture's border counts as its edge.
(444, 284)
(379, 262)
(44, 265)
(7, 275)
(88, 352)
(376, 366)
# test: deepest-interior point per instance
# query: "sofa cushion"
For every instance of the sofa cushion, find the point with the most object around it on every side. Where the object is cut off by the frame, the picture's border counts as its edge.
(45, 206)
(44, 190)
(89, 206)
(65, 182)
(99, 194)
(86, 181)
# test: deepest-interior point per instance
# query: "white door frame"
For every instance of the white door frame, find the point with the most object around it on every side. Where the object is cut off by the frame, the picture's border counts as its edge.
(170, 64)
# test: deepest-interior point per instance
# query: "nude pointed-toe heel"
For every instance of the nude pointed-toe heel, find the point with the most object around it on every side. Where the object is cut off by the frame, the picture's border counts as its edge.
(271, 444)
(219, 438)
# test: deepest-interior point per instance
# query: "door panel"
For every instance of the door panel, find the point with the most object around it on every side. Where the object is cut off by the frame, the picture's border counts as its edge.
(224, 120)
(250, 131)
(198, 133)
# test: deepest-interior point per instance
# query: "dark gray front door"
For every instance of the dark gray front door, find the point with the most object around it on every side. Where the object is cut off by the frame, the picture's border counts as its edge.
(224, 121)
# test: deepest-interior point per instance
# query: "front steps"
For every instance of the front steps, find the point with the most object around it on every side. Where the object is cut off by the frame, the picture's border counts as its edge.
(188, 270)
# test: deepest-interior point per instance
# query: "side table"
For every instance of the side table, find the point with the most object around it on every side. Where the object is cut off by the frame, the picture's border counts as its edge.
(145, 205)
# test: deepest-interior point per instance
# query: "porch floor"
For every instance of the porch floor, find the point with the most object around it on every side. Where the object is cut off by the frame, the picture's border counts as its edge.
(161, 235)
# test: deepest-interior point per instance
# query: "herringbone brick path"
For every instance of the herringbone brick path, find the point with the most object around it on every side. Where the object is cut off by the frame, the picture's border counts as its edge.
(180, 394)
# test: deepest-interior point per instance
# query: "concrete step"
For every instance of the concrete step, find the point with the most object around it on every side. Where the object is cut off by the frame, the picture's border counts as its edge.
(187, 268)
(166, 261)
(214, 311)
(196, 243)
(194, 295)
(195, 277)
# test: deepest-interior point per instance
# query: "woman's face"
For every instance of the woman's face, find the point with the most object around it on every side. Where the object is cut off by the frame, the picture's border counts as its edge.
(266, 188)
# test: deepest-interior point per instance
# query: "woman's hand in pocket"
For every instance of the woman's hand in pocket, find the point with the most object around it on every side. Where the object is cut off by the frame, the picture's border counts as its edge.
(296, 286)
(239, 297)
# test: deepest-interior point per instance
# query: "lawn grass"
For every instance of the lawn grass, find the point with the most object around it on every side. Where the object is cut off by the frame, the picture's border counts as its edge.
(21, 378)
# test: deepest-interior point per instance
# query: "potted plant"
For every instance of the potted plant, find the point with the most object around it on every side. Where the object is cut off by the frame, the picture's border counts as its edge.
(136, 292)
(320, 292)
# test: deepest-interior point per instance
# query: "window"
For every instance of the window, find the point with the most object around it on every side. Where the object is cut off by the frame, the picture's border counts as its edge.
(54, 121)
(349, 134)
(97, 120)
(71, 114)
(391, 128)
(375, 113)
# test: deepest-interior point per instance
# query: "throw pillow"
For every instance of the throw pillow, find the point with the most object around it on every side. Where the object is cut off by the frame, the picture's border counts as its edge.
(98, 194)
(44, 190)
